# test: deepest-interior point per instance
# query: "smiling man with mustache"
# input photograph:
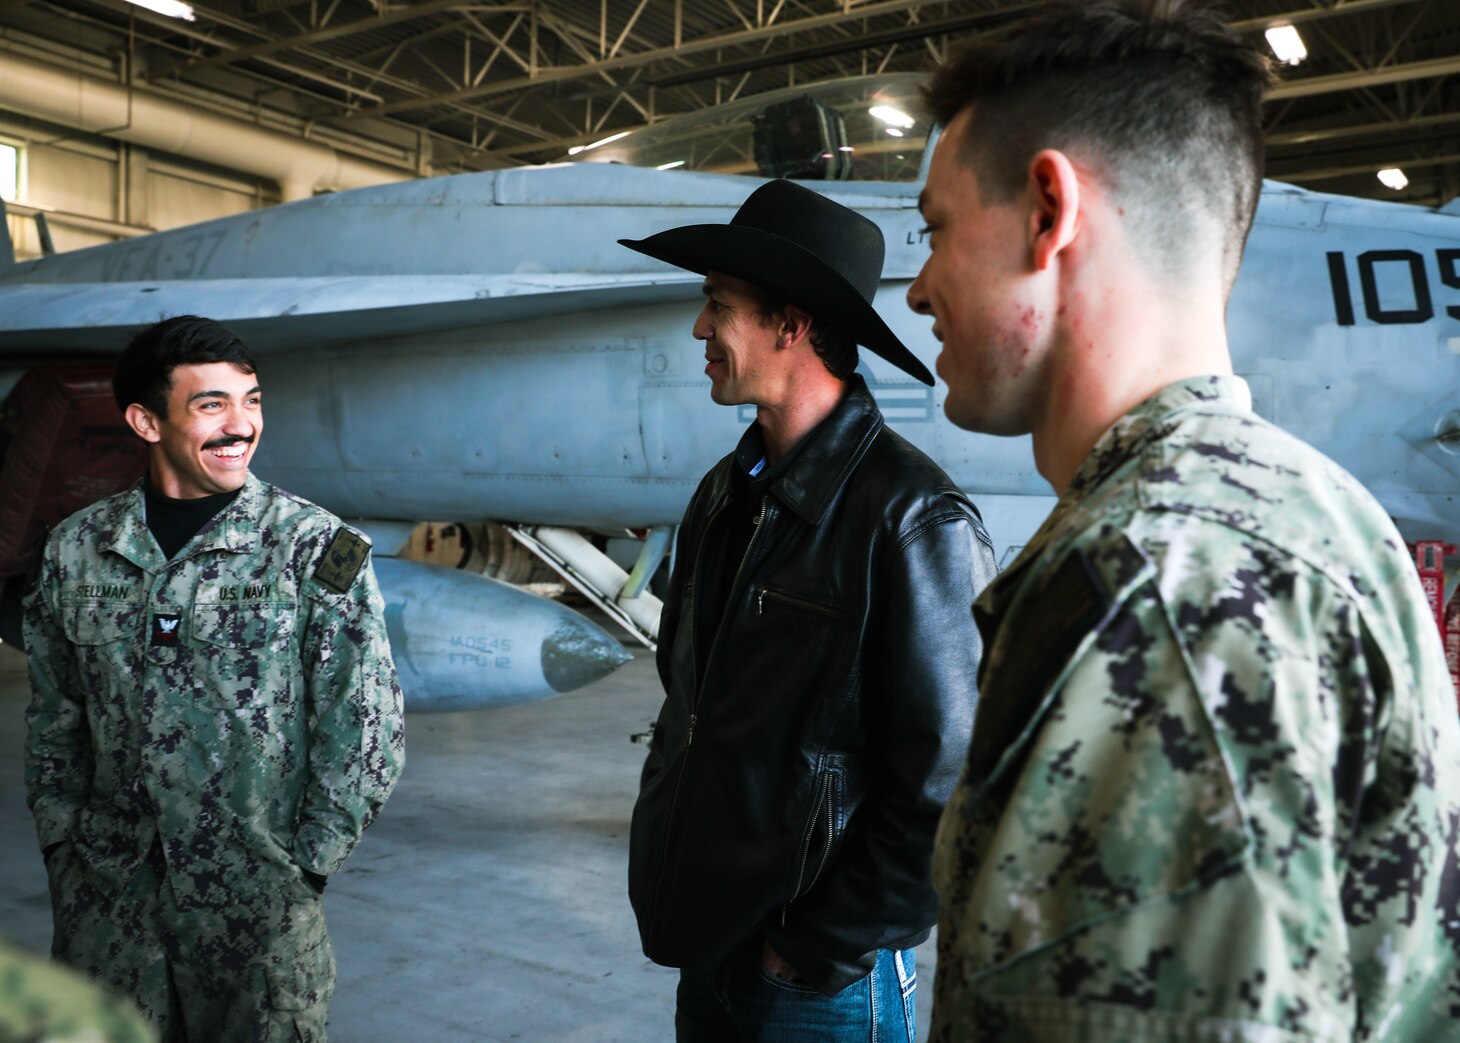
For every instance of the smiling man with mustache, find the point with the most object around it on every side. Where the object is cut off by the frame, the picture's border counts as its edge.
(216, 717)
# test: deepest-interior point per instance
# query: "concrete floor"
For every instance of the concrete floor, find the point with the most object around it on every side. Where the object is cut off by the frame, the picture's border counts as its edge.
(487, 902)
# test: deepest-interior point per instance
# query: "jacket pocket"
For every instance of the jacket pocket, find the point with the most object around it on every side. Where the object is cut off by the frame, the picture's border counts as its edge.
(768, 599)
(823, 829)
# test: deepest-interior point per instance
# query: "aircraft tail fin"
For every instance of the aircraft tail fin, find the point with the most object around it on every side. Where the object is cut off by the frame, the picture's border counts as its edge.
(7, 248)
(1452, 207)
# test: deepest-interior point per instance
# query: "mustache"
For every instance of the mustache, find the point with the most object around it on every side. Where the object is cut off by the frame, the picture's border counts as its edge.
(228, 440)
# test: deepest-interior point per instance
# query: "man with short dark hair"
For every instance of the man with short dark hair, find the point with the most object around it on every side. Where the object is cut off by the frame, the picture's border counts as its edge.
(816, 649)
(1213, 790)
(215, 717)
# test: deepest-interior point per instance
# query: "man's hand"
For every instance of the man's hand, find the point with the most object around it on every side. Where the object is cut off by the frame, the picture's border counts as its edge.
(772, 963)
(49, 852)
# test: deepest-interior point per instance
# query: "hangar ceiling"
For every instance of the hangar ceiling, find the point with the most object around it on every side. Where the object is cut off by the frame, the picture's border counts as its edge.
(447, 85)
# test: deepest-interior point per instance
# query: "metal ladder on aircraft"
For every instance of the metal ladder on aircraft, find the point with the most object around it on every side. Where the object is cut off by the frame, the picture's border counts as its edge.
(623, 596)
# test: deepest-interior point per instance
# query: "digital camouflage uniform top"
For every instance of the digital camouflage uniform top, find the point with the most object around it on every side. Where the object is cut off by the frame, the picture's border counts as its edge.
(1214, 786)
(43, 1003)
(239, 701)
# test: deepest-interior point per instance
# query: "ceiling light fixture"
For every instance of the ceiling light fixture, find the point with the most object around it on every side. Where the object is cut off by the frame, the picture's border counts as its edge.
(171, 8)
(1394, 178)
(894, 132)
(601, 141)
(670, 166)
(1287, 44)
(887, 114)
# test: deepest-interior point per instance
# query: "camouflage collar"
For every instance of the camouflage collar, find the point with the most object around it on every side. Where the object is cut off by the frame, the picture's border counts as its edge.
(1148, 421)
(234, 529)
(125, 532)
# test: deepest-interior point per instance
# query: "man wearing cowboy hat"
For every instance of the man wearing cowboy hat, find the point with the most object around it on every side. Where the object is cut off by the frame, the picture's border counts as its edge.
(817, 651)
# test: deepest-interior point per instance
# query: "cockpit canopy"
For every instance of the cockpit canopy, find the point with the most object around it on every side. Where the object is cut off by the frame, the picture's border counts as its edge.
(868, 128)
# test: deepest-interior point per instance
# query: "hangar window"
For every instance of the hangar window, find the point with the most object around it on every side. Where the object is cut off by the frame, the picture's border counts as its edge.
(9, 171)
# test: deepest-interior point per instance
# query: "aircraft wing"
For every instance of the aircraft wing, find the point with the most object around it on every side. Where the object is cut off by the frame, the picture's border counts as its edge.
(279, 314)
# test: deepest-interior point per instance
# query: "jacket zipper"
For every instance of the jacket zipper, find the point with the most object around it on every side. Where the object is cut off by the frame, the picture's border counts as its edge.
(823, 795)
(729, 600)
(695, 678)
(798, 602)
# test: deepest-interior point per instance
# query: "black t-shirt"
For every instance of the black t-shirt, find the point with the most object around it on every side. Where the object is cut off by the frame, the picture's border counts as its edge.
(174, 522)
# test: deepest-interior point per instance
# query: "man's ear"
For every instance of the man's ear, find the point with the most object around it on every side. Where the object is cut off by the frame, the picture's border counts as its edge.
(1054, 218)
(141, 420)
(795, 326)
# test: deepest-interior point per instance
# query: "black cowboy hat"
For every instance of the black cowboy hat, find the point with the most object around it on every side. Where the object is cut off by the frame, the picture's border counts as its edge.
(818, 254)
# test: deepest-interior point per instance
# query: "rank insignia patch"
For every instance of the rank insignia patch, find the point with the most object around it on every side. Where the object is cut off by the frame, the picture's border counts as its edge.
(342, 561)
(165, 630)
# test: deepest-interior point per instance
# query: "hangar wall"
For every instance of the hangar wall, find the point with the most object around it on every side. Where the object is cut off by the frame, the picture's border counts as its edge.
(106, 161)
(110, 181)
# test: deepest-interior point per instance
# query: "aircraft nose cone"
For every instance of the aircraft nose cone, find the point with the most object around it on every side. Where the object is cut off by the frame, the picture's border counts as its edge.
(578, 653)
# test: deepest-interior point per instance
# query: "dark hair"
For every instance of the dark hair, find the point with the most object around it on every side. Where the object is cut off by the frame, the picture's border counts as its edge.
(144, 370)
(1158, 95)
(836, 349)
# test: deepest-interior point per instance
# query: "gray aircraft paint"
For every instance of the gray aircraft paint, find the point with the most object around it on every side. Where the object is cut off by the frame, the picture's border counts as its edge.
(405, 328)
(478, 347)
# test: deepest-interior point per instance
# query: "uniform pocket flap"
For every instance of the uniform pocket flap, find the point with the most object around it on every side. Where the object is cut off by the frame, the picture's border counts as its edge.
(99, 622)
(1122, 795)
(304, 981)
(250, 625)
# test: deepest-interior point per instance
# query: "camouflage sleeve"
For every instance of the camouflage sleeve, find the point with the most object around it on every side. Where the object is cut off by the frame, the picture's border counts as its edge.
(921, 690)
(58, 759)
(1169, 847)
(357, 741)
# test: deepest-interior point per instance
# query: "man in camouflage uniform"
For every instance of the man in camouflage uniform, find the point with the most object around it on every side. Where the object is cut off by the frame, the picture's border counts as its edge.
(216, 717)
(43, 1003)
(1213, 791)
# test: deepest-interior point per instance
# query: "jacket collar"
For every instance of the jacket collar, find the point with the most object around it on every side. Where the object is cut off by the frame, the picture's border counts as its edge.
(234, 529)
(828, 455)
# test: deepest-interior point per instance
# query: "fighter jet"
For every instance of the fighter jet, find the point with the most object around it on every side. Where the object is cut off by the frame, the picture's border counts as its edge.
(478, 348)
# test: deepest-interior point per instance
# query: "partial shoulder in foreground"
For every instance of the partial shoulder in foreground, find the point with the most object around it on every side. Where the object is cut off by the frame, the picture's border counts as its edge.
(1241, 471)
(1271, 498)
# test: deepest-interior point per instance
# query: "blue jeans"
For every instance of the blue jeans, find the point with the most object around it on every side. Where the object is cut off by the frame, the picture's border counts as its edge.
(740, 1003)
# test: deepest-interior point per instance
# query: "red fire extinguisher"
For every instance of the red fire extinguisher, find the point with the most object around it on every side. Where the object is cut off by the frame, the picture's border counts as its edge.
(1429, 556)
(1452, 640)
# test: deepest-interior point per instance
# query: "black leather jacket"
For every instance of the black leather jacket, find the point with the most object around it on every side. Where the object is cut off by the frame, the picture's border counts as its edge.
(800, 763)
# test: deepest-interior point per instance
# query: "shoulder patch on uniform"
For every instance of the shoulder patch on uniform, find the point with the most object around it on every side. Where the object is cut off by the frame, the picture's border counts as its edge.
(342, 561)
